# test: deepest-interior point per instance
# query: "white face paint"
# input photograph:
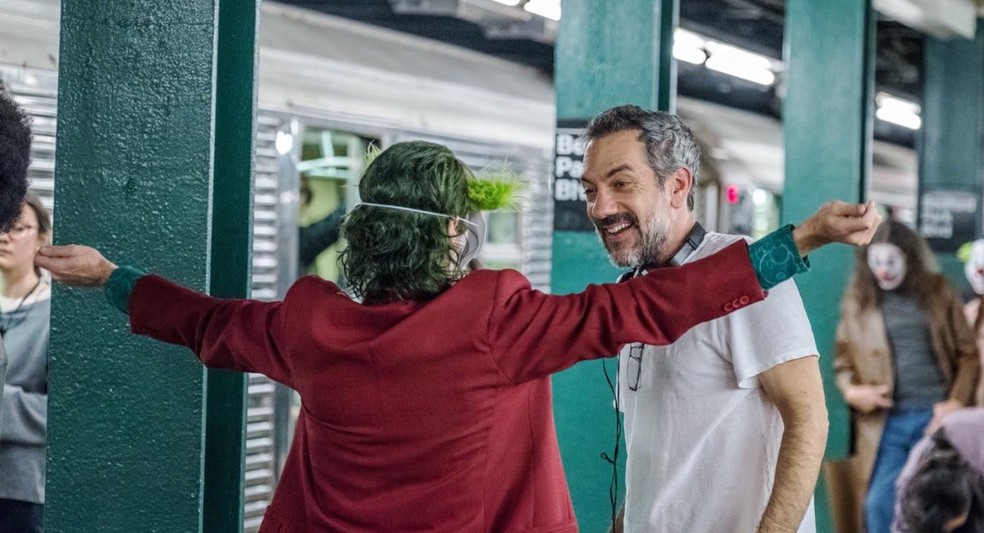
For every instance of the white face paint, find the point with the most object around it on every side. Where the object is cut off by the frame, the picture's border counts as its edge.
(974, 269)
(887, 263)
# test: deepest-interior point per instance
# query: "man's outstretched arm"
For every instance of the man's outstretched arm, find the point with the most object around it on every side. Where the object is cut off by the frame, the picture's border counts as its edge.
(796, 389)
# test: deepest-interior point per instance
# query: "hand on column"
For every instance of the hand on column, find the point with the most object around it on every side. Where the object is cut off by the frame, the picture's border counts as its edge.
(75, 265)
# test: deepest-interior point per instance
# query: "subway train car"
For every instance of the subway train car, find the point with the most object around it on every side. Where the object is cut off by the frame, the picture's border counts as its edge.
(330, 87)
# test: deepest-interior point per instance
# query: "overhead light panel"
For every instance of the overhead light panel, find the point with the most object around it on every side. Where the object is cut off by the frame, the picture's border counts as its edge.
(739, 63)
(545, 8)
(688, 47)
(943, 19)
(508, 2)
(898, 111)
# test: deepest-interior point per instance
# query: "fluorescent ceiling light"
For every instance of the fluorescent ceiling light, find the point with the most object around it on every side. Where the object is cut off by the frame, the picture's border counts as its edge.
(687, 38)
(898, 111)
(906, 120)
(545, 8)
(887, 100)
(508, 2)
(689, 54)
(688, 47)
(739, 63)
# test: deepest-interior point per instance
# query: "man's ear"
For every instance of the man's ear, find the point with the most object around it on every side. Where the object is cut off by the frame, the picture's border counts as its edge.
(679, 184)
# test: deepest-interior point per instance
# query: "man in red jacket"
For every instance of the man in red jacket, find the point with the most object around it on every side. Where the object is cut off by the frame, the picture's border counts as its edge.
(426, 406)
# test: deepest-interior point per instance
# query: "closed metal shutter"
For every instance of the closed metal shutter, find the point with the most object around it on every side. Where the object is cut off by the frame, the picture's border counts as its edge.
(273, 253)
(37, 92)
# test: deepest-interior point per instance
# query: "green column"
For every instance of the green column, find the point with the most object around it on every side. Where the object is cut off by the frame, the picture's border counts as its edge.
(827, 127)
(232, 239)
(137, 109)
(607, 54)
(951, 147)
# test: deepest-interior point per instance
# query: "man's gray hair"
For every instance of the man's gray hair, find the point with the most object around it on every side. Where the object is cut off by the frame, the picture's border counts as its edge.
(670, 144)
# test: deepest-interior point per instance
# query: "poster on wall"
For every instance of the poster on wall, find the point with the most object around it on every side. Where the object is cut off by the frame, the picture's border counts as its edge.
(568, 194)
(948, 218)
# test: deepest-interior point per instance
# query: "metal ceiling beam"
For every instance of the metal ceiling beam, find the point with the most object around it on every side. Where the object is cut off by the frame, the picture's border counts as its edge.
(943, 19)
(497, 21)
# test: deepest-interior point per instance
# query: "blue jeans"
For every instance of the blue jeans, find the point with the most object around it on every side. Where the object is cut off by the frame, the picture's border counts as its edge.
(20, 517)
(903, 429)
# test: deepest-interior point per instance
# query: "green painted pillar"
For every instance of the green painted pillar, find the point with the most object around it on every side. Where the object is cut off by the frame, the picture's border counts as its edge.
(827, 126)
(231, 254)
(607, 54)
(138, 113)
(951, 147)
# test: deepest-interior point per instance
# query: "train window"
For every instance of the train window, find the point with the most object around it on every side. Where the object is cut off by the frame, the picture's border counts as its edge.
(330, 165)
(765, 208)
(502, 245)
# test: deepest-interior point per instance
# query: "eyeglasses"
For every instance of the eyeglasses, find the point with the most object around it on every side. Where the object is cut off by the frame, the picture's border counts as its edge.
(18, 231)
(634, 366)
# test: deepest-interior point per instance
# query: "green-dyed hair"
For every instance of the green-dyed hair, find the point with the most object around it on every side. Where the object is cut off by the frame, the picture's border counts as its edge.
(398, 255)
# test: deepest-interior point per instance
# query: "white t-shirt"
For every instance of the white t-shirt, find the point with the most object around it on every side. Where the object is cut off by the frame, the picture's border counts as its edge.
(702, 435)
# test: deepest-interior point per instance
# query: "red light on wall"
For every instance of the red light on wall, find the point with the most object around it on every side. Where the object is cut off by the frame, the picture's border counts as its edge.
(732, 192)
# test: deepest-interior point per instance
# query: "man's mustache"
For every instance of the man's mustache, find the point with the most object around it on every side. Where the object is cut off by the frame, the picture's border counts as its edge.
(614, 220)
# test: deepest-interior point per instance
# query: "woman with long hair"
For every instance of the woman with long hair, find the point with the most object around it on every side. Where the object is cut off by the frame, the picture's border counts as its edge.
(974, 270)
(905, 357)
(25, 310)
(427, 404)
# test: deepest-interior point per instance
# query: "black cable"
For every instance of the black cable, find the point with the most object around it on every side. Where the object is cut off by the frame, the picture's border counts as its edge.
(613, 459)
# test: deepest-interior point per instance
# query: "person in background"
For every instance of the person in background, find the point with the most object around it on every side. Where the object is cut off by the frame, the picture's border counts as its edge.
(318, 237)
(15, 157)
(974, 270)
(941, 487)
(25, 310)
(427, 404)
(905, 358)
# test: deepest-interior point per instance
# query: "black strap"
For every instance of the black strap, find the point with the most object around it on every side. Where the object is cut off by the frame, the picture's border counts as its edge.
(697, 234)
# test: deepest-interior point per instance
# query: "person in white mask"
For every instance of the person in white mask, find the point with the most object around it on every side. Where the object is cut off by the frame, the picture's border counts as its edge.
(974, 269)
(905, 358)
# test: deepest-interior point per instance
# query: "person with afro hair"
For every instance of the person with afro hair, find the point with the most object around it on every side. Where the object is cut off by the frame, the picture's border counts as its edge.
(15, 156)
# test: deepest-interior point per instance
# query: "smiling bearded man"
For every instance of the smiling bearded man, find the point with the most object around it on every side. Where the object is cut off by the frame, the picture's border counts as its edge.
(734, 410)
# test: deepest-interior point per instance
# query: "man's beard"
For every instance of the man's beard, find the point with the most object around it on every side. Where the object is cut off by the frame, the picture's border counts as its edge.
(654, 236)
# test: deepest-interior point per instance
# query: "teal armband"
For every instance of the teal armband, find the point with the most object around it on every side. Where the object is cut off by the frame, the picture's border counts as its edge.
(775, 257)
(120, 285)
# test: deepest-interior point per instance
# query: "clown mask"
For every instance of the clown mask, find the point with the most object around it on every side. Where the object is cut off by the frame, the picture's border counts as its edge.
(887, 263)
(974, 268)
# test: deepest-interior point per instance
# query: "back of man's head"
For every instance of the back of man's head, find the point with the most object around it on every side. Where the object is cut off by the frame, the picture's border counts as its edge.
(15, 156)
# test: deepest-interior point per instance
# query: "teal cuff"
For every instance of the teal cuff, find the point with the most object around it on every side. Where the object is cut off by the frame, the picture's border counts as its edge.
(120, 285)
(776, 259)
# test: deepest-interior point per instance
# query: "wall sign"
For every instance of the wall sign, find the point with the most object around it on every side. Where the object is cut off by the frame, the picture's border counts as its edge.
(568, 195)
(948, 218)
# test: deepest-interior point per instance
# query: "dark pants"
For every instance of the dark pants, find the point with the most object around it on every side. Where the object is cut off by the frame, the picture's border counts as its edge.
(20, 517)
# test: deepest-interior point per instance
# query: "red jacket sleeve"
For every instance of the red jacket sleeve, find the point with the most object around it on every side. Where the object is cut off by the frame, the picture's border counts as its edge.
(244, 335)
(533, 334)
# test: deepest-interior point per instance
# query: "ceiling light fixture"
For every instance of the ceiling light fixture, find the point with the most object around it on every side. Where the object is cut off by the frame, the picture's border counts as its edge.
(688, 47)
(739, 63)
(545, 8)
(898, 111)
